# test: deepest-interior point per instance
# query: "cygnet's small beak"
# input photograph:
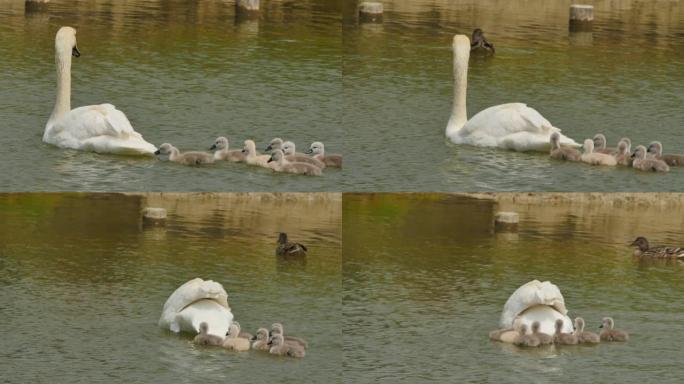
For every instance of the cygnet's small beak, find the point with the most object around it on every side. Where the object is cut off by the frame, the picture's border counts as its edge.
(633, 155)
(157, 152)
(253, 338)
(244, 151)
(270, 147)
(75, 52)
(309, 151)
(601, 326)
(269, 160)
(212, 147)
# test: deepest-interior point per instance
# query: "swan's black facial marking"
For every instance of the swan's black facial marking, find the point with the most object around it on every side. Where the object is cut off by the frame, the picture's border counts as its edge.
(75, 52)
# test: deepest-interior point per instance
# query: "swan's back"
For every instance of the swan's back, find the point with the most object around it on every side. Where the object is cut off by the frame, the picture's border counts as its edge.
(100, 128)
(511, 126)
(194, 302)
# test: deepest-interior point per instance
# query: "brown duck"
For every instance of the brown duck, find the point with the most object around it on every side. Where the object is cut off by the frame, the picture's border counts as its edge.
(287, 248)
(643, 248)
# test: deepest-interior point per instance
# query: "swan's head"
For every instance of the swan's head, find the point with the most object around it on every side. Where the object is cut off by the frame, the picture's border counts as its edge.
(276, 156)
(559, 325)
(555, 140)
(276, 143)
(288, 148)
(220, 143)
(607, 323)
(640, 242)
(579, 324)
(262, 334)
(204, 328)
(461, 48)
(588, 146)
(316, 148)
(249, 148)
(277, 340)
(599, 141)
(639, 152)
(165, 149)
(65, 42)
(656, 148)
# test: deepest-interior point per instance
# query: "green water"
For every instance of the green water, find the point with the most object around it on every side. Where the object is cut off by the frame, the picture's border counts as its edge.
(425, 278)
(623, 79)
(83, 282)
(184, 72)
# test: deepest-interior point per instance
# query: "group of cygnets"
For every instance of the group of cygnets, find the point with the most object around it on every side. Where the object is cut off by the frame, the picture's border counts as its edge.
(274, 341)
(520, 336)
(595, 152)
(282, 156)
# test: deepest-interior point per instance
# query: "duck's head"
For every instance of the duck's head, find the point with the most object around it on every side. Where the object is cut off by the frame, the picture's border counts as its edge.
(640, 242)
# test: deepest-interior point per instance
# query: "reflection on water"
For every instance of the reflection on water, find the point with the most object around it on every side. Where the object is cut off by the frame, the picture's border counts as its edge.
(425, 278)
(623, 79)
(82, 283)
(184, 72)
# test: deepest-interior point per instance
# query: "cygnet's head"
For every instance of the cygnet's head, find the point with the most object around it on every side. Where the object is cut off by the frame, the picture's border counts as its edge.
(628, 141)
(276, 143)
(559, 325)
(288, 148)
(607, 323)
(262, 334)
(316, 148)
(233, 330)
(204, 328)
(249, 148)
(622, 147)
(276, 328)
(522, 329)
(276, 155)
(535, 327)
(640, 242)
(588, 146)
(165, 149)
(65, 42)
(220, 143)
(656, 148)
(599, 141)
(555, 140)
(639, 152)
(579, 324)
(276, 340)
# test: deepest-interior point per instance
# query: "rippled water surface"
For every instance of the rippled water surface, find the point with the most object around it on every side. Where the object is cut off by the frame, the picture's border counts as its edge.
(184, 72)
(425, 279)
(83, 282)
(626, 78)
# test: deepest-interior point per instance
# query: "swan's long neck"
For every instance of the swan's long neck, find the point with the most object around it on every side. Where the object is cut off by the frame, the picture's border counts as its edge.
(63, 102)
(459, 115)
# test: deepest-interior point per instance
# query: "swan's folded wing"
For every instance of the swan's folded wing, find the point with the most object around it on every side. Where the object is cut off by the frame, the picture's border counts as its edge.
(506, 119)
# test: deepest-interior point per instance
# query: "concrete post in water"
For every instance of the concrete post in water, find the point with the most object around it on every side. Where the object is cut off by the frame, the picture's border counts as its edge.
(370, 12)
(154, 215)
(246, 8)
(506, 221)
(581, 17)
(36, 5)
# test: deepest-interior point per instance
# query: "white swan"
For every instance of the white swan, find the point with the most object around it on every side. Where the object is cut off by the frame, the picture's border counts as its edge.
(536, 301)
(511, 126)
(98, 128)
(195, 302)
